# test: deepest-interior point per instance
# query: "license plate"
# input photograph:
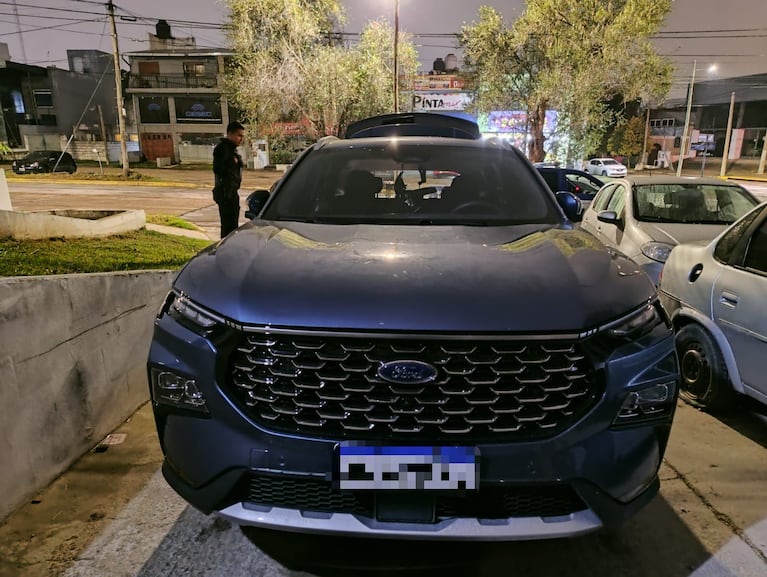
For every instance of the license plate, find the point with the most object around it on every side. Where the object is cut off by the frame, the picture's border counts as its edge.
(407, 468)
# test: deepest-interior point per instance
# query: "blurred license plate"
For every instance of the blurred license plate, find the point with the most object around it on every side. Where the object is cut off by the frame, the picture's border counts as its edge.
(408, 468)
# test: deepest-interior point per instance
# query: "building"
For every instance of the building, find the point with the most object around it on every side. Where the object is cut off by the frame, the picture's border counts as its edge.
(708, 119)
(40, 105)
(176, 90)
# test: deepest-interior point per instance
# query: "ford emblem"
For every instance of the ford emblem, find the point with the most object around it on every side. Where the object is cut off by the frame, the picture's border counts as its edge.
(407, 372)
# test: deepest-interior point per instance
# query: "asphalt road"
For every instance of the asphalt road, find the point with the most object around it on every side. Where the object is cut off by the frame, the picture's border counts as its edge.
(710, 519)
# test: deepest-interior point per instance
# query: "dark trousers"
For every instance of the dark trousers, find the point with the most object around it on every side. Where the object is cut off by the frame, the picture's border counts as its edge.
(229, 211)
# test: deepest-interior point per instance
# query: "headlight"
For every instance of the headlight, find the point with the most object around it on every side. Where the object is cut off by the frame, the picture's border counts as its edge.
(175, 390)
(637, 324)
(192, 315)
(34, 165)
(646, 404)
(657, 251)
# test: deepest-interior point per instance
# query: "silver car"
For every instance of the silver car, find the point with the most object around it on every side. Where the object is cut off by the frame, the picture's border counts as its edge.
(715, 294)
(646, 217)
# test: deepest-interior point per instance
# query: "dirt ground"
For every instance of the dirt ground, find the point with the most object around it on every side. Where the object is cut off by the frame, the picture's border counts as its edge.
(48, 533)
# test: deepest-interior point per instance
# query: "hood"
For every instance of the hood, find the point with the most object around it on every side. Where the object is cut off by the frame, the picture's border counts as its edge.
(406, 278)
(679, 233)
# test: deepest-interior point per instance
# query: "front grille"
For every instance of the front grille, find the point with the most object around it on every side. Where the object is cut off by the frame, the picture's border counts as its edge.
(328, 387)
(487, 503)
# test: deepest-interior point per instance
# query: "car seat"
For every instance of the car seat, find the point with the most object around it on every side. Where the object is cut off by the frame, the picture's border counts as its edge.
(360, 190)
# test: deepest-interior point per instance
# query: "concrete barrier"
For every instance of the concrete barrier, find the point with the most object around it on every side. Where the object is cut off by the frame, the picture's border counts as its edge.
(72, 368)
(69, 223)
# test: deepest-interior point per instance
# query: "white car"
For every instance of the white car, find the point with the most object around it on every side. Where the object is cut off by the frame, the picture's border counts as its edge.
(606, 167)
(645, 217)
(715, 296)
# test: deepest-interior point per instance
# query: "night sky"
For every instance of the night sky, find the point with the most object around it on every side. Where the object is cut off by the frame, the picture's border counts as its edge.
(732, 35)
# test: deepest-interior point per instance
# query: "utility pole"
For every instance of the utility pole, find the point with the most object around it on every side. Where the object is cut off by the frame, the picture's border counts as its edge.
(396, 56)
(103, 132)
(686, 135)
(119, 90)
(726, 153)
(645, 152)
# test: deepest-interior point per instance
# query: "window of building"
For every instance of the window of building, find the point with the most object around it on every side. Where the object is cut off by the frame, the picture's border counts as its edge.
(198, 110)
(43, 98)
(148, 67)
(18, 102)
(194, 68)
(154, 110)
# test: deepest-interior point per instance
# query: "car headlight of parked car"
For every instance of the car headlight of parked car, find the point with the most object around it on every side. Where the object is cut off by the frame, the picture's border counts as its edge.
(636, 324)
(192, 316)
(657, 251)
(34, 165)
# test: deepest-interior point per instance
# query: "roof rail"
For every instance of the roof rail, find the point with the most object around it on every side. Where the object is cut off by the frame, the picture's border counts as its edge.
(414, 124)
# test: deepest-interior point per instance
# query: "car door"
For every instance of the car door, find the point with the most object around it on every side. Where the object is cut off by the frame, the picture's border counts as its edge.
(611, 234)
(738, 306)
(590, 223)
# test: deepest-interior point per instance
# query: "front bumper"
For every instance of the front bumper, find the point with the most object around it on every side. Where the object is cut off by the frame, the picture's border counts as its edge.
(214, 461)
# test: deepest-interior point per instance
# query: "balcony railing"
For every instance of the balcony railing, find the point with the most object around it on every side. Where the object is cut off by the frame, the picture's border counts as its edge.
(173, 81)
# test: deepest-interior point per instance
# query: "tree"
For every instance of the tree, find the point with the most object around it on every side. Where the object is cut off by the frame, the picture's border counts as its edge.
(628, 138)
(568, 55)
(289, 64)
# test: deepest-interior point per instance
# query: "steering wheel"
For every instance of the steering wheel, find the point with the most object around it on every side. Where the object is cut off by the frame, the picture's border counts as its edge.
(474, 207)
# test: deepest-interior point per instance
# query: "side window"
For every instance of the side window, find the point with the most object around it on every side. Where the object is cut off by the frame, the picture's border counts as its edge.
(618, 201)
(552, 179)
(756, 254)
(727, 244)
(601, 199)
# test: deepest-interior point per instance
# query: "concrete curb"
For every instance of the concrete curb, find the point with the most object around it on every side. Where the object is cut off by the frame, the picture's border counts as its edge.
(748, 178)
(161, 183)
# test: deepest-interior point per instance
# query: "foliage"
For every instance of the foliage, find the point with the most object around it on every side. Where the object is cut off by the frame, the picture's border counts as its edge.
(289, 64)
(142, 249)
(5, 150)
(628, 138)
(569, 55)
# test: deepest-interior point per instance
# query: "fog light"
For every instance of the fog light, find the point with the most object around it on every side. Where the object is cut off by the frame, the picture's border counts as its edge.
(176, 391)
(651, 402)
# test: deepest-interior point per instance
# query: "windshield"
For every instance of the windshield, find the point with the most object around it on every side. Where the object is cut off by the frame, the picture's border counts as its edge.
(396, 182)
(691, 203)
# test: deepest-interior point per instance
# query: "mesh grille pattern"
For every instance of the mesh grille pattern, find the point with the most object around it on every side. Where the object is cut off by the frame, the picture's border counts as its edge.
(488, 503)
(489, 390)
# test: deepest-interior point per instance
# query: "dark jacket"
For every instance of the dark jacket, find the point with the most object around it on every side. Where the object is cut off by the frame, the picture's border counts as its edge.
(227, 167)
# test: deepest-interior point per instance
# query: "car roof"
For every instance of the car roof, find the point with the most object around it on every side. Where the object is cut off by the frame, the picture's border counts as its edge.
(673, 179)
(414, 124)
(434, 141)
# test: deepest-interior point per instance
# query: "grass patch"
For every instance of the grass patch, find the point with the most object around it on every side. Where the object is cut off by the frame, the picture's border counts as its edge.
(141, 249)
(170, 220)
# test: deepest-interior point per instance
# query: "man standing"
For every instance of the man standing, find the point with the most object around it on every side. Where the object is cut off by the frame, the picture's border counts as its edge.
(227, 168)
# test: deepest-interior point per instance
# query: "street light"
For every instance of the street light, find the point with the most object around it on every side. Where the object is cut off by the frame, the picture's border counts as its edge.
(712, 69)
(686, 133)
(396, 56)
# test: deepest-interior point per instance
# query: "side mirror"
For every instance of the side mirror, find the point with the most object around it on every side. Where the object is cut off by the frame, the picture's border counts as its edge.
(571, 205)
(256, 201)
(608, 216)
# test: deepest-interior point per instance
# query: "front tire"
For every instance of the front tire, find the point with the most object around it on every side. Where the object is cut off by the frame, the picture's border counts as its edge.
(705, 382)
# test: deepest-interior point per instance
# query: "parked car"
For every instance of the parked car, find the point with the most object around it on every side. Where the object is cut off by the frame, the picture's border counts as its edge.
(606, 167)
(45, 161)
(715, 293)
(368, 362)
(645, 217)
(580, 183)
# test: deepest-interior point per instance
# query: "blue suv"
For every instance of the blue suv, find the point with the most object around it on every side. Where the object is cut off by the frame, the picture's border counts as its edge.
(412, 340)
